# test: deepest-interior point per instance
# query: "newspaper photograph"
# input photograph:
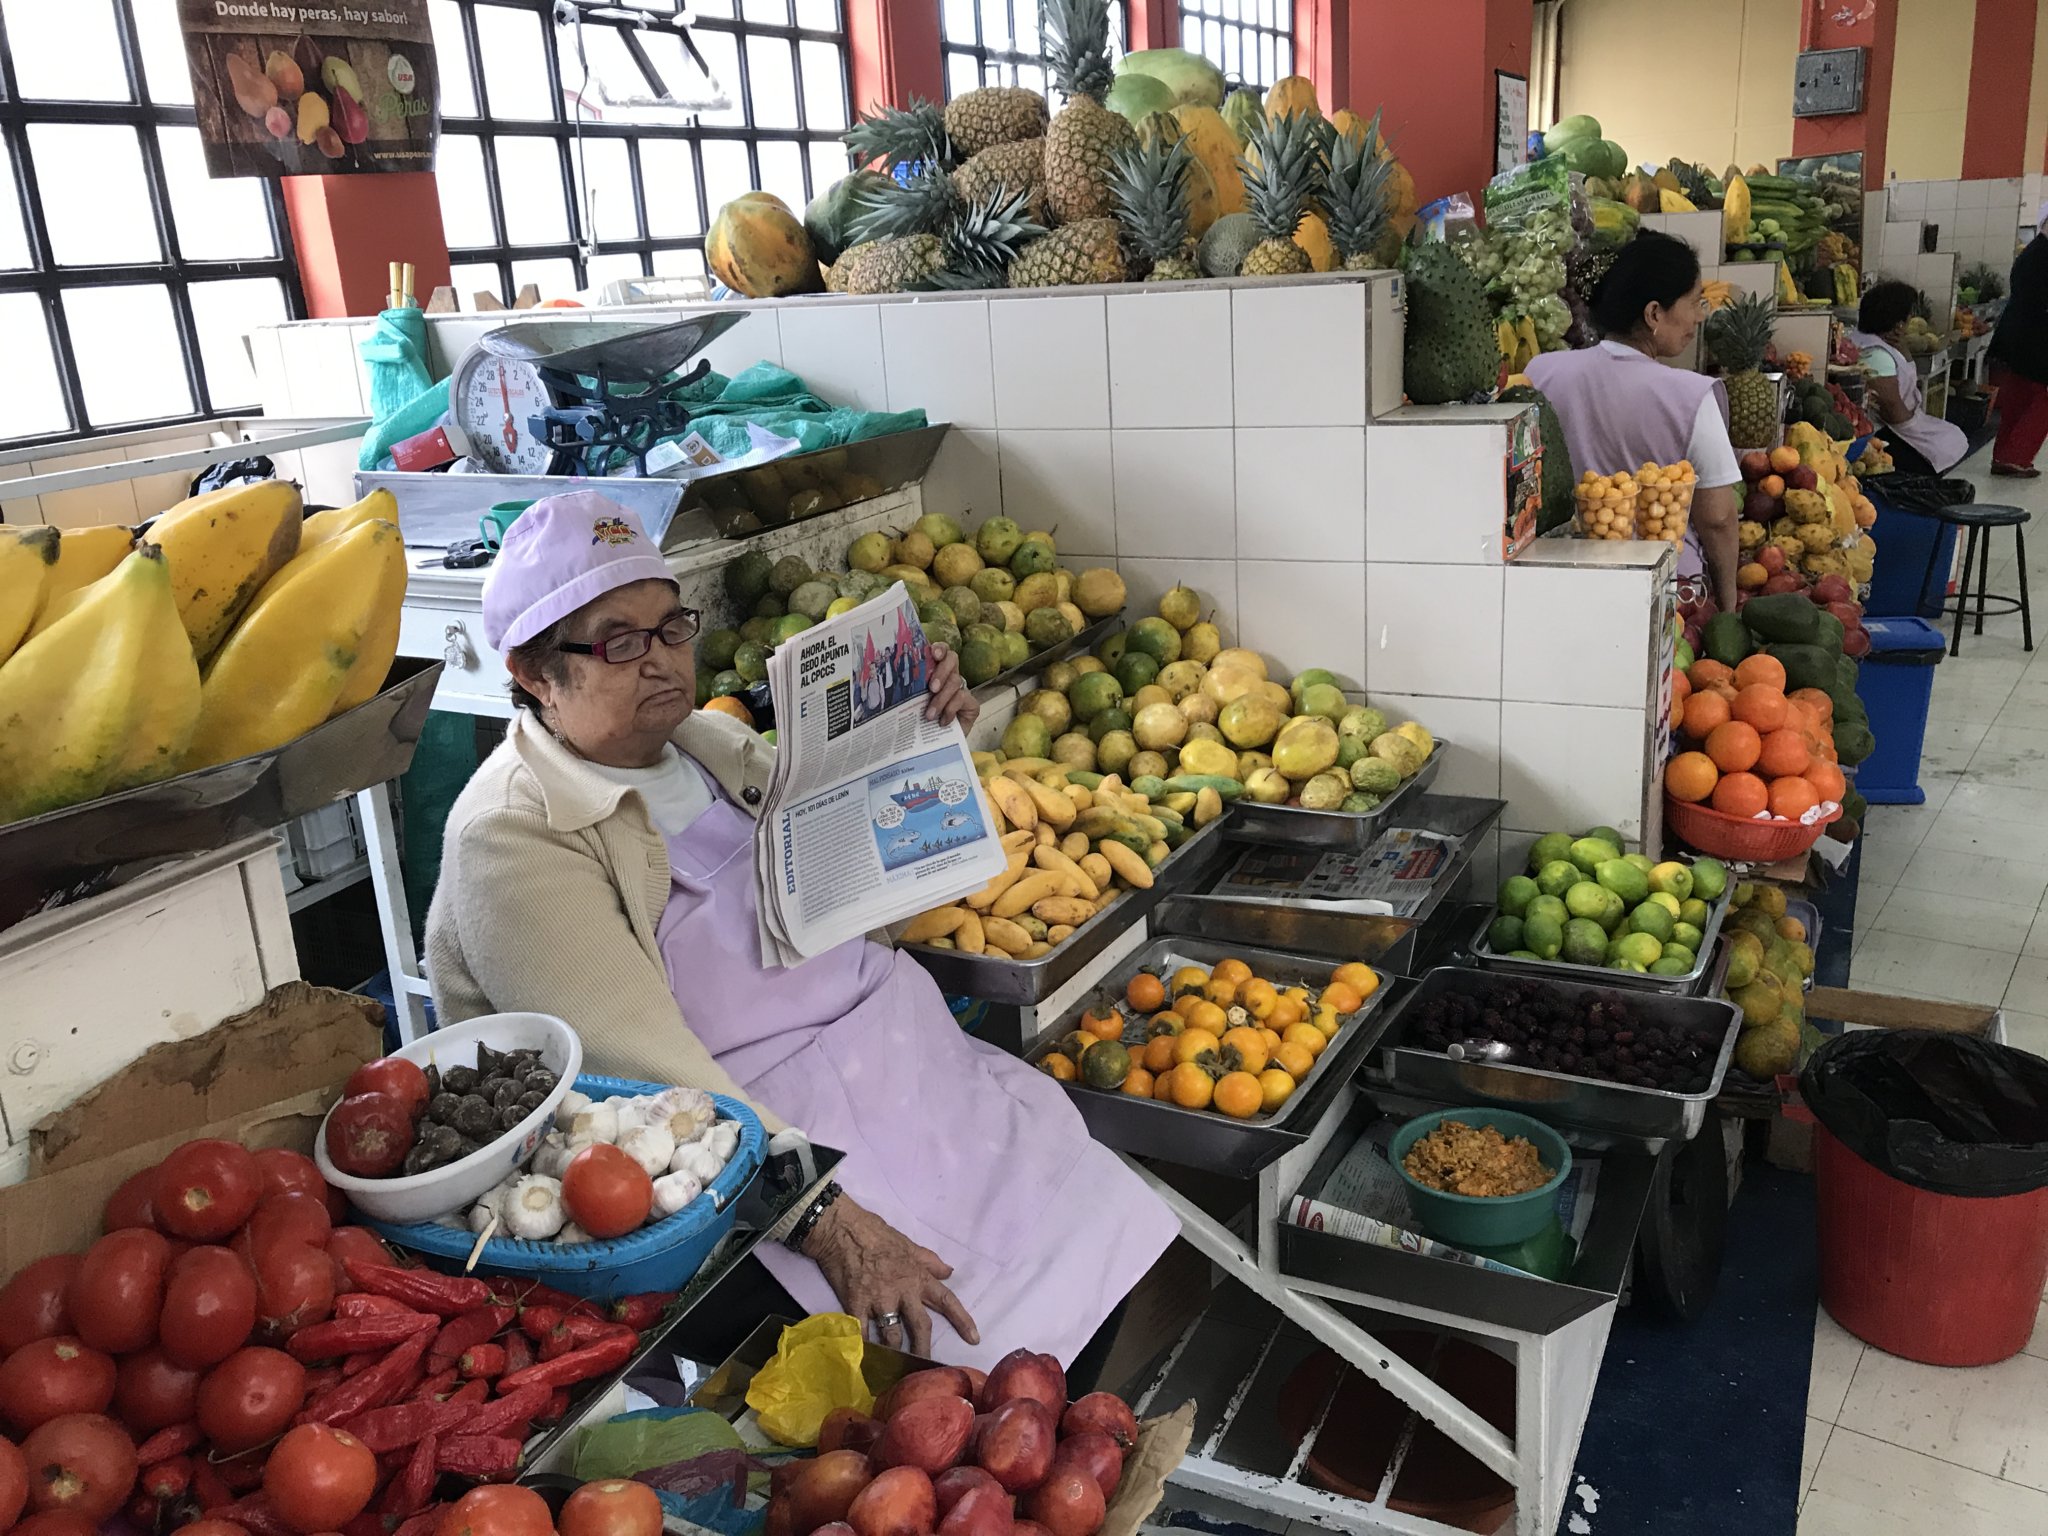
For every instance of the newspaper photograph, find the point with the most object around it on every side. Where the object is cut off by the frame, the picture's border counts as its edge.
(872, 814)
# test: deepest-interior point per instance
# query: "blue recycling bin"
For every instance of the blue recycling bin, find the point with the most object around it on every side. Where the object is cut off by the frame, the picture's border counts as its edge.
(1896, 684)
(1904, 539)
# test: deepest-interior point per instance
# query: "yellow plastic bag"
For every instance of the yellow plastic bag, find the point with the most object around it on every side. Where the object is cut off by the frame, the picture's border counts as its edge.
(815, 1370)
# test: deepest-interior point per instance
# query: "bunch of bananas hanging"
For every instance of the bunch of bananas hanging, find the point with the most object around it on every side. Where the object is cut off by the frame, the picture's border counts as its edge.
(233, 625)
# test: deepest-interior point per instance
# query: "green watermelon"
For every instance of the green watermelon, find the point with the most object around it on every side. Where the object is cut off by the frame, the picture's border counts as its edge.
(827, 215)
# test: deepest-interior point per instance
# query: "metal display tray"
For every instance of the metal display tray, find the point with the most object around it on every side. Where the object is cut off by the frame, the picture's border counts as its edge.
(1200, 1138)
(1332, 830)
(1083, 639)
(1592, 1112)
(1689, 985)
(998, 978)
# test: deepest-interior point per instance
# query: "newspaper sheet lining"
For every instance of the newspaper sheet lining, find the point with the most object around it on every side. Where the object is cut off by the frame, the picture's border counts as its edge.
(1394, 877)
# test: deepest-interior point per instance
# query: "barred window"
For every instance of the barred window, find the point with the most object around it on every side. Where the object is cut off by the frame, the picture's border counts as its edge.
(1249, 40)
(1002, 42)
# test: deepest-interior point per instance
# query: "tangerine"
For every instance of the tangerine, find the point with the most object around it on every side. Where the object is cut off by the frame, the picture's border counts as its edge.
(1704, 711)
(1232, 970)
(1816, 700)
(1325, 1020)
(1358, 976)
(1792, 797)
(1190, 1087)
(1784, 457)
(1271, 1037)
(1827, 781)
(1221, 991)
(1060, 1066)
(1245, 1049)
(1238, 1095)
(1772, 485)
(1162, 1085)
(1145, 992)
(1289, 1010)
(1307, 1036)
(1189, 978)
(725, 704)
(1690, 776)
(1140, 1083)
(1760, 669)
(1741, 794)
(1734, 747)
(1762, 706)
(1275, 1088)
(1784, 752)
(1792, 930)
(1705, 672)
(1157, 1056)
(1102, 1021)
(1167, 1023)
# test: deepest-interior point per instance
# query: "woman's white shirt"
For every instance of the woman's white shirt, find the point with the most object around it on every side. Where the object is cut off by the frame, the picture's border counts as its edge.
(676, 790)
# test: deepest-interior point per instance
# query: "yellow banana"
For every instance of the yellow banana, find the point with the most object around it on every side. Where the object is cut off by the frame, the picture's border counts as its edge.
(84, 555)
(105, 698)
(380, 641)
(377, 507)
(283, 668)
(27, 556)
(223, 546)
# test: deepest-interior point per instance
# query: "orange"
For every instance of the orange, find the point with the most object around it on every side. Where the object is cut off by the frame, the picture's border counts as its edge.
(1741, 794)
(1238, 1095)
(1827, 781)
(1784, 457)
(1734, 746)
(1061, 1066)
(1145, 992)
(1822, 706)
(1761, 669)
(1771, 485)
(1792, 797)
(1244, 1049)
(725, 704)
(1158, 1054)
(1762, 706)
(1294, 1060)
(1307, 1036)
(1792, 929)
(1192, 1088)
(1190, 1043)
(1690, 776)
(1259, 998)
(1703, 712)
(1358, 976)
(1343, 998)
(1784, 752)
(1680, 690)
(1275, 1088)
(1232, 970)
(1221, 991)
(1139, 1084)
(1203, 1014)
(1706, 672)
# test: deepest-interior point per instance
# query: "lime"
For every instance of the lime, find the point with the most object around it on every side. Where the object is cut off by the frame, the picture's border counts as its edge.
(1612, 909)
(1547, 906)
(1505, 934)
(1557, 877)
(1525, 954)
(1624, 879)
(1619, 964)
(1671, 966)
(1673, 878)
(1693, 911)
(1549, 849)
(1585, 942)
(1687, 934)
(1590, 852)
(1651, 919)
(1677, 951)
(1639, 949)
(1640, 861)
(1709, 878)
(1516, 892)
(1544, 936)
(1667, 901)
(1605, 834)
(1588, 900)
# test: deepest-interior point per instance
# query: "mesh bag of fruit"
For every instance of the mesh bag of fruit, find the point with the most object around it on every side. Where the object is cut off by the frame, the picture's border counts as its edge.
(1664, 501)
(1606, 505)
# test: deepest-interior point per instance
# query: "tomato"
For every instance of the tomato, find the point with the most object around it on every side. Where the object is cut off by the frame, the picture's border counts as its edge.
(83, 1462)
(49, 1378)
(249, 1398)
(133, 1204)
(62, 1522)
(297, 1218)
(152, 1392)
(13, 1483)
(368, 1135)
(32, 1303)
(285, 1172)
(209, 1308)
(361, 1245)
(403, 1080)
(319, 1479)
(499, 1509)
(196, 1528)
(607, 1193)
(294, 1287)
(206, 1189)
(119, 1290)
(614, 1507)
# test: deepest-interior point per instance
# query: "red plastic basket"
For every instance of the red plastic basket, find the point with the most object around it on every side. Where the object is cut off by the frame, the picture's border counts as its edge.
(1740, 837)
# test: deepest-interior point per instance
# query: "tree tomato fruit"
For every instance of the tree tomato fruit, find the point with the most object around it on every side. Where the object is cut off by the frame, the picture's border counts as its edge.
(403, 1080)
(83, 1462)
(614, 1507)
(32, 1304)
(153, 1392)
(13, 1483)
(250, 1397)
(48, 1378)
(319, 1478)
(294, 1288)
(118, 1292)
(368, 1135)
(133, 1204)
(607, 1193)
(296, 1217)
(209, 1308)
(206, 1189)
(285, 1172)
(498, 1509)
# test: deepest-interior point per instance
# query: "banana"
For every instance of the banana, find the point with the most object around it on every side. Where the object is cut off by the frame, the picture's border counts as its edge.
(27, 556)
(223, 546)
(377, 507)
(104, 698)
(283, 668)
(84, 555)
(380, 642)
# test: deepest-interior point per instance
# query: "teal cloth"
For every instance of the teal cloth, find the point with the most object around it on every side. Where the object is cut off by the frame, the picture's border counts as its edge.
(421, 414)
(395, 355)
(777, 401)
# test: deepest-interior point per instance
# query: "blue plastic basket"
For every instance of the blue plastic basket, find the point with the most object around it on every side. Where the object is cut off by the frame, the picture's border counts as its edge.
(662, 1256)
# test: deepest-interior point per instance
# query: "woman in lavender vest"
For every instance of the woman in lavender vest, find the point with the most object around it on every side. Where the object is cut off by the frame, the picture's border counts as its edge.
(1621, 407)
(1922, 444)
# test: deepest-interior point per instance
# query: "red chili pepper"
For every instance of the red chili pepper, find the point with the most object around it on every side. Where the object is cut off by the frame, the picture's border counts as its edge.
(244, 1472)
(518, 1350)
(413, 1489)
(480, 1456)
(425, 1523)
(432, 1389)
(382, 1382)
(207, 1488)
(255, 1515)
(538, 1322)
(447, 1295)
(532, 1293)
(578, 1365)
(590, 1328)
(403, 1424)
(472, 1328)
(166, 1443)
(508, 1412)
(485, 1360)
(365, 1304)
(471, 1393)
(555, 1411)
(168, 1479)
(362, 1362)
(352, 1335)
(643, 1311)
(328, 1377)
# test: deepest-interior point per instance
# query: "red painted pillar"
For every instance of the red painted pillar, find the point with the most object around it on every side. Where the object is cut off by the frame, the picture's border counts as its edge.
(1154, 24)
(1440, 112)
(892, 51)
(1322, 31)
(347, 230)
(1872, 26)
(2001, 85)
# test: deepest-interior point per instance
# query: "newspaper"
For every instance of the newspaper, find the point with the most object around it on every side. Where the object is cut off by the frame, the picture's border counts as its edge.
(1392, 878)
(872, 813)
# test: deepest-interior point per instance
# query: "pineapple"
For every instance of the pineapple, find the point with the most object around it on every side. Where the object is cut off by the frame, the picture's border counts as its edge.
(1081, 140)
(1281, 168)
(1082, 252)
(923, 205)
(1017, 167)
(995, 114)
(984, 239)
(894, 265)
(1150, 180)
(1739, 335)
(1356, 196)
(966, 244)
(900, 136)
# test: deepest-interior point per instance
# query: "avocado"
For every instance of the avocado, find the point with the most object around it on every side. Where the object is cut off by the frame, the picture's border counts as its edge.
(1853, 742)
(1830, 636)
(1806, 665)
(1725, 638)
(1782, 618)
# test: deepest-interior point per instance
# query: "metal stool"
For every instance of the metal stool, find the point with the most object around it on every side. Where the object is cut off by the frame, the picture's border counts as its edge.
(1979, 519)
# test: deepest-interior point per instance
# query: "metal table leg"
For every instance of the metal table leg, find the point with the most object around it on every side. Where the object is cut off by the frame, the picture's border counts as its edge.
(409, 989)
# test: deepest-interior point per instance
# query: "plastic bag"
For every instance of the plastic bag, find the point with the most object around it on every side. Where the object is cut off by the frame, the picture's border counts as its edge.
(1940, 1111)
(816, 1369)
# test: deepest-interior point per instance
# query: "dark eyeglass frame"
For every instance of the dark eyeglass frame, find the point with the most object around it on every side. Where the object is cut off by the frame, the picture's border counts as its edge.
(638, 642)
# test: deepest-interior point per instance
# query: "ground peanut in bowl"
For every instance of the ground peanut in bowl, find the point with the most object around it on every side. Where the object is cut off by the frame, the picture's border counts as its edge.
(1460, 1159)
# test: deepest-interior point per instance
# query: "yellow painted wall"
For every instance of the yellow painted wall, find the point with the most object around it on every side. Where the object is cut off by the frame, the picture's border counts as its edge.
(1930, 90)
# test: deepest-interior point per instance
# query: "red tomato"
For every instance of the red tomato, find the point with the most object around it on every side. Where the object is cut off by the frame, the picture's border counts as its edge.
(196, 1528)
(206, 1189)
(62, 1522)
(319, 1478)
(119, 1290)
(151, 1392)
(607, 1193)
(285, 1172)
(249, 1398)
(32, 1303)
(614, 1507)
(368, 1135)
(401, 1079)
(49, 1378)
(360, 1244)
(209, 1308)
(499, 1509)
(297, 1218)
(13, 1483)
(294, 1287)
(83, 1462)
(132, 1205)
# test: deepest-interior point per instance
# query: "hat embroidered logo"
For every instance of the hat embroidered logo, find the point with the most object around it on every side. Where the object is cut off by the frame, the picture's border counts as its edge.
(611, 530)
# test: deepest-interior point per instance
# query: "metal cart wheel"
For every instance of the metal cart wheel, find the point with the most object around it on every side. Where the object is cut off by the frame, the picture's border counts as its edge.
(1685, 1229)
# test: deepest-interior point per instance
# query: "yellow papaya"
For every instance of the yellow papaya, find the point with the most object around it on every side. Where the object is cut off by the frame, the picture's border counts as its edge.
(759, 248)
(1296, 93)
(1210, 141)
(222, 547)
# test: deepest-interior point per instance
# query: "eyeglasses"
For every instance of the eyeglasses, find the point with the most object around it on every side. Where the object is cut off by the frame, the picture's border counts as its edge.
(632, 644)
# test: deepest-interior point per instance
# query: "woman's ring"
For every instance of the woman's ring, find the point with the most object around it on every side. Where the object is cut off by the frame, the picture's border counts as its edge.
(889, 1320)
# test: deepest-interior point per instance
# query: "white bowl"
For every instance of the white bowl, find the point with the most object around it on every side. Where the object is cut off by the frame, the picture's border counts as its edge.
(456, 1186)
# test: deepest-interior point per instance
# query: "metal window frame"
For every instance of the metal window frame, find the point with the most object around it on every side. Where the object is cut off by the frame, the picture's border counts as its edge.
(1194, 17)
(501, 253)
(49, 282)
(998, 66)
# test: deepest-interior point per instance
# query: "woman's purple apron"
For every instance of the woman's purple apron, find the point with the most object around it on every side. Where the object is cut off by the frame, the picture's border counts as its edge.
(955, 1144)
(1942, 444)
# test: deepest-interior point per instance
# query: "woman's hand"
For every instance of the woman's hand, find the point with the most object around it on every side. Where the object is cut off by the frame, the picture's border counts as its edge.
(875, 1271)
(951, 699)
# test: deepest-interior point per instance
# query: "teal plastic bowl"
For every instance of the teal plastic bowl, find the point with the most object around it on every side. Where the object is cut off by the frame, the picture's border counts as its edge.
(1472, 1221)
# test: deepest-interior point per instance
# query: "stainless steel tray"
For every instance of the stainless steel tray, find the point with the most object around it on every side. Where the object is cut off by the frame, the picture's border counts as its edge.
(1597, 1113)
(1689, 985)
(1085, 639)
(1332, 830)
(1000, 979)
(739, 503)
(1202, 1138)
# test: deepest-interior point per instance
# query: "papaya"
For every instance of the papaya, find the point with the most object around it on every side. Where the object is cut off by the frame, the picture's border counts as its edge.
(1783, 618)
(759, 248)
(1210, 141)
(1806, 666)
(1726, 639)
(1296, 93)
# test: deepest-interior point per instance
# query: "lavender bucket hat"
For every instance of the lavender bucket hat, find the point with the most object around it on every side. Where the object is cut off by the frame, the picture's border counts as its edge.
(560, 554)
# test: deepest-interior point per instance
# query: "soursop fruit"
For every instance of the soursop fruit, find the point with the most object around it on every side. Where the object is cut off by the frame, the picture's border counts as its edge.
(1452, 351)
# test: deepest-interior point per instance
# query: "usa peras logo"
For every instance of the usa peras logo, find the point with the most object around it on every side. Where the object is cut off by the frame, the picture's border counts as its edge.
(611, 530)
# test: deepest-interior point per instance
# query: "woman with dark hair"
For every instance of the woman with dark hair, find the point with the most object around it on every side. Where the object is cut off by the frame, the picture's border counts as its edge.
(2019, 361)
(1921, 444)
(1621, 408)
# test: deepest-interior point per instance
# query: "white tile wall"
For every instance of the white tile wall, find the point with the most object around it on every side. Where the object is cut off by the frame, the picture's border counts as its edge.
(838, 352)
(1569, 766)
(1301, 492)
(1972, 194)
(1470, 731)
(1942, 196)
(1908, 197)
(756, 339)
(1435, 496)
(320, 363)
(1298, 355)
(1061, 480)
(1175, 493)
(1584, 657)
(1901, 241)
(1433, 629)
(1169, 359)
(966, 475)
(1051, 362)
(1301, 614)
(937, 359)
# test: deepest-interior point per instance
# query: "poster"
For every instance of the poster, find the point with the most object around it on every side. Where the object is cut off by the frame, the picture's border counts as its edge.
(312, 87)
(1511, 120)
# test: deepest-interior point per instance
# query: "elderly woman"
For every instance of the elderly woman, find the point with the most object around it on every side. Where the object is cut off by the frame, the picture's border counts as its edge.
(600, 867)
(1922, 444)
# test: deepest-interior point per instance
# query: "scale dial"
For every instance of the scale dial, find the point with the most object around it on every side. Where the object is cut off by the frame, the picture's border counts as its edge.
(494, 400)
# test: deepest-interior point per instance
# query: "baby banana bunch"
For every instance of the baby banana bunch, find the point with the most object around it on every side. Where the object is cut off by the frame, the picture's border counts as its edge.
(223, 546)
(27, 557)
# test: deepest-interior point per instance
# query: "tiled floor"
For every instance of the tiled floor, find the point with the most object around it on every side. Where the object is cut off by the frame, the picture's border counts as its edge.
(1953, 906)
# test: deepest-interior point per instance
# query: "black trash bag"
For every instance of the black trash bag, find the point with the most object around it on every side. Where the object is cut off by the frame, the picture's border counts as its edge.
(1943, 1112)
(1919, 493)
(218, 477)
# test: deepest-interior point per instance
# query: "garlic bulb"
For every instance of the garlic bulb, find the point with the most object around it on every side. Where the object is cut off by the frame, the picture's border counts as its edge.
(650, 1146)
(698, 1161)
(724, 1139)
(572, 1105)
(686, 1111)
(556, 1152)
(674, 1191)
(571, 1233)
(599, 1122)
(534, 1209)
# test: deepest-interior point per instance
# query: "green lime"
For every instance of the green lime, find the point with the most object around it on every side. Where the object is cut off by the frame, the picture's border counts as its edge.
(1709, 878)
(1516, 892)
(1549, 848)
(1544, 936)
(1585, 942)
(1588, 900)
(1652, 920)
(1639, 949)
(1505, 934)
(1687, 934)
(1550, 907)
(1624, 879)
(1671, 966)
(1557, 877)
(1693, 911)
(1589, 853)
(1605, 834)
(1677, 951)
